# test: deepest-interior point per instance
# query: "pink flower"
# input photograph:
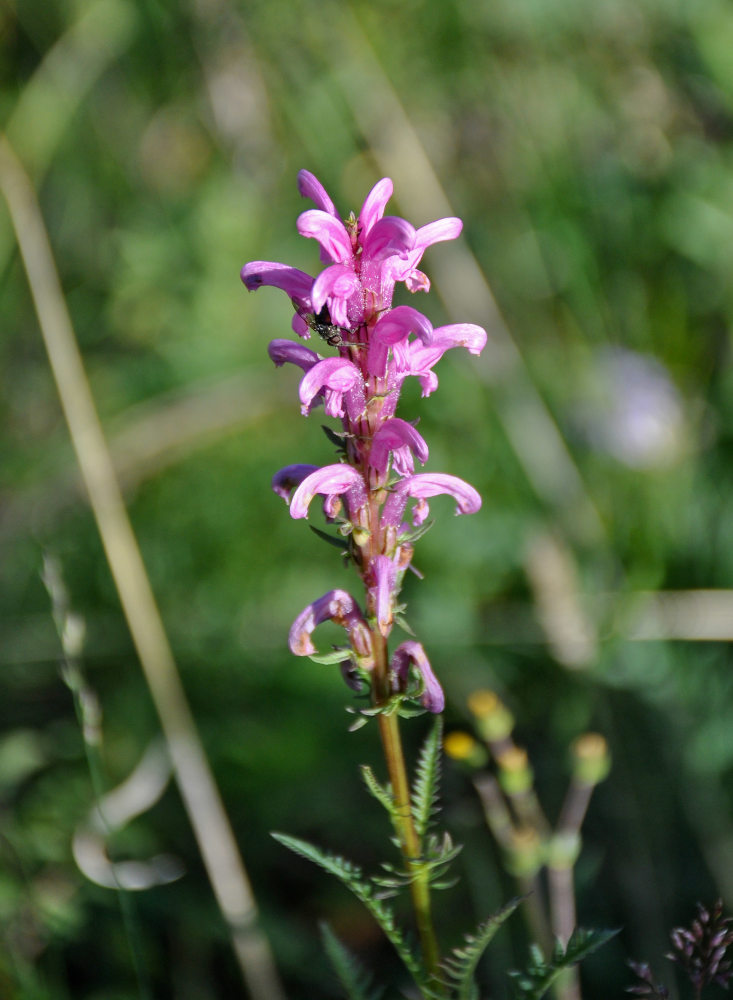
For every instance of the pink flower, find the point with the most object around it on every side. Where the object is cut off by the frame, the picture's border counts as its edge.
(402, 441)
(408, 657)
(331, 480)
(340, 378)
(337, 606)
(424, 485)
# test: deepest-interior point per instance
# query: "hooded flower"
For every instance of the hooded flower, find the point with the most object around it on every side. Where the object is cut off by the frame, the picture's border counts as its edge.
(349, 304)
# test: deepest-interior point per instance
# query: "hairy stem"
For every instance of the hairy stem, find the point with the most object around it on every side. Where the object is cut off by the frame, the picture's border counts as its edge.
(409, 840)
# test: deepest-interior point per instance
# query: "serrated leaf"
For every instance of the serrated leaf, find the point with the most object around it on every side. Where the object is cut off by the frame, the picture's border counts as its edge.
(351, 875)
(461, 965)
(382, 793)
(539, 976)
(427, 779)
(355, 981)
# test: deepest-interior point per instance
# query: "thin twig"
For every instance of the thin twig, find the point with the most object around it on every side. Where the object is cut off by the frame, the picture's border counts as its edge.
(195, 780)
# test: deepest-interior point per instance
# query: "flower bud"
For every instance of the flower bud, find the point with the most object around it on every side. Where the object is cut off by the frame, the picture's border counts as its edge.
(461, 746)
(591, 759)
(493, 719)
(515, 773)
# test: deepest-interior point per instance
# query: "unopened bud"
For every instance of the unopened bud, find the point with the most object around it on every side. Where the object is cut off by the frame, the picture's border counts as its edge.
(463, 747)
(493, 719)
(515, 774)
(591, 759)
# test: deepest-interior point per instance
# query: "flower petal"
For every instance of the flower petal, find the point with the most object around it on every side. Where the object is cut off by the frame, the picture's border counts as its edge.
(400, 438)
(329, 480)
(429, 484)
(373, 208)
(411, 654)
(390, 236)
(467, 335)
(337, 284)
(265, 272)
(337, 606)
(330, 233)
(337, 374)
(288, 351)
(392, 328)
(310, 187)
(383, 573)
(285, 480)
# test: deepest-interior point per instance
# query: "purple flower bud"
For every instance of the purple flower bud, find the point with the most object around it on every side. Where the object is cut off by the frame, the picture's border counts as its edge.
(411, 654)
(383, 573)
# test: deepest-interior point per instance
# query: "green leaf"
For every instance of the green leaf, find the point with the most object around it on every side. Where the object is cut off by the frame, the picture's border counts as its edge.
(540, 975)
(460, 966)
(382, 793)
(339, 543)
(352, 977)
(427, 779)
(335, 656)
(352, 877)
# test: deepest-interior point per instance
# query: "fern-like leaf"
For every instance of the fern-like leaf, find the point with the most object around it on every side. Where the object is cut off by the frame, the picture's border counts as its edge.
(352, 877)
(427, 780)
(540, 975)
(460, 966)
(382, 793)
(355, 981)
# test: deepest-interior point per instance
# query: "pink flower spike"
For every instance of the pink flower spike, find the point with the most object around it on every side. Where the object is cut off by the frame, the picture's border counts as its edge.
(330, 233)
(411, 654)
(310, 187)
(264, 272)
(429, 484)
(337, 606)
(329, 480)
(285, 481)
(400, 438)
(373, 208)
(335, 374)
(284, 351)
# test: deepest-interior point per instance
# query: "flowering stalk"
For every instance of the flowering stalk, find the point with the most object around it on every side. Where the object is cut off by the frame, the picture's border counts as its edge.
(373, 495)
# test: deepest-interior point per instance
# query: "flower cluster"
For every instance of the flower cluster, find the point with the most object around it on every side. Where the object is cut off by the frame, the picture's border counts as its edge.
(374, 496)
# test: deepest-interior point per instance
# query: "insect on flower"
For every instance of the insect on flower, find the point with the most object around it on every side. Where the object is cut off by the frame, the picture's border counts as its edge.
(321, 324)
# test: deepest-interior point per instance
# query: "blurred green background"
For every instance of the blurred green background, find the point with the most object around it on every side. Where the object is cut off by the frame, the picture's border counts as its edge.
(588, 146)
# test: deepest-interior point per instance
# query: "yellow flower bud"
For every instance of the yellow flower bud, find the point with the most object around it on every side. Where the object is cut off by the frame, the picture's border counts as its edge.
(462, 746)
(591, 759)
(493, 719)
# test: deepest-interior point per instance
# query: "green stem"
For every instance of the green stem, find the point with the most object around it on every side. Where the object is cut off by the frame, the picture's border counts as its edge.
(409, 840)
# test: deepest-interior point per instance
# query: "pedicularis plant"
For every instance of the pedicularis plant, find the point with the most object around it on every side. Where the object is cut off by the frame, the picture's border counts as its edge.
(378, 506)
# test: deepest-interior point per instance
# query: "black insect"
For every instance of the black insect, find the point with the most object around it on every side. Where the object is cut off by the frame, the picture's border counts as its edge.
(322, 325)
